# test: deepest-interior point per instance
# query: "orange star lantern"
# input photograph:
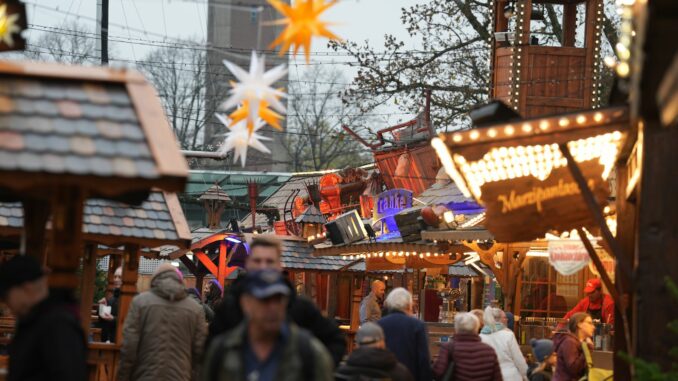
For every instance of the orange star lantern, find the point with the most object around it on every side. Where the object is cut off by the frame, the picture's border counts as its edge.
(302, 20)
(266, 114)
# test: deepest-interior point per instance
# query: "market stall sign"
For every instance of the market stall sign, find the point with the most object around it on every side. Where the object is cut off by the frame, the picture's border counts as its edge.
(519, 173)
(568, 256)
(517, 208)
(390, 203)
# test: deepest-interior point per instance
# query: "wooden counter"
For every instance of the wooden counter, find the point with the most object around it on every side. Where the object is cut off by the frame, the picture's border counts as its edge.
(438, 333)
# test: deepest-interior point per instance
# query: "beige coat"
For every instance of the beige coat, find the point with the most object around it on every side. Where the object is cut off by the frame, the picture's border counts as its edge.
(163, 334)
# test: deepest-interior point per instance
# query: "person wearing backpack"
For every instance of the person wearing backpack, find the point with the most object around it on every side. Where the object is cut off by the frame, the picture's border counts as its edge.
(371, 360)
(265, 346)
(466, 357)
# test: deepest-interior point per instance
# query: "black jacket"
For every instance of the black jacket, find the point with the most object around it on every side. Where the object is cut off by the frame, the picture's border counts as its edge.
(302, 311)
(367, 363)
(49, 344)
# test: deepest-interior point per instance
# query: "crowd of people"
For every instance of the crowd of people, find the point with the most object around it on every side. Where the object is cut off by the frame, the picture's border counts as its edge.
(260, 330)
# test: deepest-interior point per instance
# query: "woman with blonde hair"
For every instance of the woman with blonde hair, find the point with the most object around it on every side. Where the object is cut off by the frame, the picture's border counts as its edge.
(495, 334)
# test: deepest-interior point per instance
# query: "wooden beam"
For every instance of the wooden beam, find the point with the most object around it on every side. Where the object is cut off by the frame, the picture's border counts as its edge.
(600, 268)
(593, 207)
(66, 243)
(332, 294)
(87, 286)
(626, 228)
(205, 260)
(221, 268)
(34, 236)
(130, 272)
(570, 24)
(189, 265)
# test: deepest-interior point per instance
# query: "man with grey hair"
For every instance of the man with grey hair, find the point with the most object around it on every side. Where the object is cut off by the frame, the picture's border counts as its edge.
(371, 359)
(472, 359)
(406, 335)
(369, 307)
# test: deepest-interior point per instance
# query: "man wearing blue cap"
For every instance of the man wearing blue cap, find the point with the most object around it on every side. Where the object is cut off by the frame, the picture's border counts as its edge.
(48, 343)
(266, 347)
(265, 254)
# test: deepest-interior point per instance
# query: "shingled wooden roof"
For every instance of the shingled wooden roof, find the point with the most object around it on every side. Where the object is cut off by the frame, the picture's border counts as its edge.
(157, 221)
(96, 128)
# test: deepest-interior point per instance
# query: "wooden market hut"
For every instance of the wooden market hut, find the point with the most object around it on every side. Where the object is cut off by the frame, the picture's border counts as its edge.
(547, 174)
(646, 206)
(108, 227)
(72, 133)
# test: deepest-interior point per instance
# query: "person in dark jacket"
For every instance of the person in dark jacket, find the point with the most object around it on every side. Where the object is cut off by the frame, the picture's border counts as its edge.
(265, 253)
(473, 359)
(571, 362)
(266, 346)
(546, 360)
(108, 322)
(214, 294)
(195, 295)
(371, 360)
(406, 336)
(49, 343)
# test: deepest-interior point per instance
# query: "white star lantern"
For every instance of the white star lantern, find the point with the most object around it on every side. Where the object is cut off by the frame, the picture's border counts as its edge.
(254, 87)
(239, 138)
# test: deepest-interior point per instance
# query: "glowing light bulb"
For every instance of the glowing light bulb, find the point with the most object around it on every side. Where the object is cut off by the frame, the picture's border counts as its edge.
(492, 132)
(581, 119)
(564, 122)
(456, 137)
(527, 127)
(623, 69)
(509, 130)
(544, 125)
(474, 135)
(598, 117)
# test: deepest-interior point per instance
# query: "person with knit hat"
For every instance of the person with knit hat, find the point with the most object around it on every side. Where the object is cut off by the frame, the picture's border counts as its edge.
(48, 343)
(546, 360)
(163, 333)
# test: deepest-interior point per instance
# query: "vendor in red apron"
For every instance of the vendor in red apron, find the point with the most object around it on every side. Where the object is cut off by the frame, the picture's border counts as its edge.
(597, 304)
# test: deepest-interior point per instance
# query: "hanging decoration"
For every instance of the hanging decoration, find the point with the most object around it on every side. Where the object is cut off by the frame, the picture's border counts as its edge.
(568, 256)
(239, 138)
(302, 23)
(266, 114)
(12, 23)
(255, 86)
(253, 93)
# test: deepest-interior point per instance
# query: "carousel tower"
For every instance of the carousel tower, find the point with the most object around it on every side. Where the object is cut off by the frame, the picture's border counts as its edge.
(546, 55)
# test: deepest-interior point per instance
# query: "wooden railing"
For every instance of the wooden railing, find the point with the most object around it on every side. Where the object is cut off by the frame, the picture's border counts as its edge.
(102, 361)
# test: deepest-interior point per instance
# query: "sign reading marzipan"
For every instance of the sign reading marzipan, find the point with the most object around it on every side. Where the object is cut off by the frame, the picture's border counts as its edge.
(525, 208)
(568, 256)
(537, 195)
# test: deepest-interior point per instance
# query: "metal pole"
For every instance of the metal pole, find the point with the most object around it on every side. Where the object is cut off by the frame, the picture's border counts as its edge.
(102, 29)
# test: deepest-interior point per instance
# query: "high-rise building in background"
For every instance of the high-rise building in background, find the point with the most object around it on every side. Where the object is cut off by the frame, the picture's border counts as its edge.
(234, 29)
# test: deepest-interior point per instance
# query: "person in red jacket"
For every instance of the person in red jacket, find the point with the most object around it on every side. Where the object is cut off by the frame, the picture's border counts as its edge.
(600, 306)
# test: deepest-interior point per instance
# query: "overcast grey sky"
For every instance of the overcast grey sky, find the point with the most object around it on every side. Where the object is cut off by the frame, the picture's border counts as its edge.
(358, 20)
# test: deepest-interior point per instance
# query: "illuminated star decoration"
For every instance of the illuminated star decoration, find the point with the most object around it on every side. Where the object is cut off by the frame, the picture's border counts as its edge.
(239, 138)
(8, 26)
(255, 87)
(303, 23)
(266, 114)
